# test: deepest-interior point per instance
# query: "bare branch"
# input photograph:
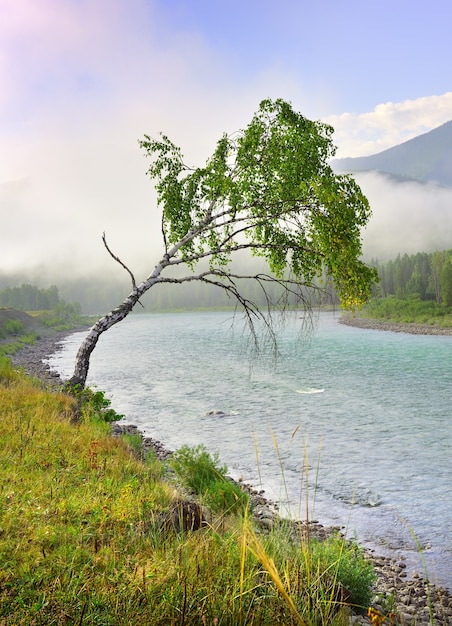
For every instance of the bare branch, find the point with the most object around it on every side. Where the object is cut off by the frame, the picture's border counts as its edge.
(118, 260)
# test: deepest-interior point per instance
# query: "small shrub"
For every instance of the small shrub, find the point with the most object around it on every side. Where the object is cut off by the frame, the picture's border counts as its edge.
(202, 474)
(13, 327)
(197, 468)
(95, 404)
(7, 372)
(347, 563)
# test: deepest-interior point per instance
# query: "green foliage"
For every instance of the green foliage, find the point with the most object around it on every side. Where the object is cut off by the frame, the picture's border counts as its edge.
(62, 317)
(446, 282)
(415, 289)
(10, 327)
(13, 327)
(201, 474)
(347, 564)
(55, 311)
(271, 190)
(8, 373)
(197, 468)
(94, 404)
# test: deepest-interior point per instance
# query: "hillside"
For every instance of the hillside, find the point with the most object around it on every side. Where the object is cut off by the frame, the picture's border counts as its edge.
(426, 158)
(27, 321)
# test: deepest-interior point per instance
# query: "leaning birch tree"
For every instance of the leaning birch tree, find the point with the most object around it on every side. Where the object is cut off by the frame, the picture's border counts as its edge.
(268, 189)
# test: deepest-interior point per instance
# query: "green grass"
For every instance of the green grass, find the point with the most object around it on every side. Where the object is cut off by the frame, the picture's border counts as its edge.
(14, 335)
(201, 474)
(82, 539)
(11, 347)
(18, 329)
(409, 311)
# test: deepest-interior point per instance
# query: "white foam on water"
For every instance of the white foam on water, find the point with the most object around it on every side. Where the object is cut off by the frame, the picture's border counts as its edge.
(309, 390)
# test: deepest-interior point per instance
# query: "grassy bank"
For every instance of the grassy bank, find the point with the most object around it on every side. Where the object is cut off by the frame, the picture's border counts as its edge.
(92, 532)
(19, 329)
(409, 311)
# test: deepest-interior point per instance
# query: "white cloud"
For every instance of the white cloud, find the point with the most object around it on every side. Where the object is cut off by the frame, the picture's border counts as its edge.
(81, 81)
(388, 124)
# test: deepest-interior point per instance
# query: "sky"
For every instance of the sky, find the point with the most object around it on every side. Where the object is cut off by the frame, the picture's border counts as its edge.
(82, 80)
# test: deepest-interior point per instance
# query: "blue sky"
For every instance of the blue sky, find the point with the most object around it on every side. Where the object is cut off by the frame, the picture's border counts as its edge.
(82, 80)
(360, 53)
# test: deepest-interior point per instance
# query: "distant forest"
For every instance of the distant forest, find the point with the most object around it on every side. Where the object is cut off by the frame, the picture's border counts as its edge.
(424, 276)
(31, 298)
(427, 276)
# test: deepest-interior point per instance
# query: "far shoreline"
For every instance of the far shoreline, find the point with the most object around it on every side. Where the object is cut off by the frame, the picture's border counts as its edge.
(392, 326)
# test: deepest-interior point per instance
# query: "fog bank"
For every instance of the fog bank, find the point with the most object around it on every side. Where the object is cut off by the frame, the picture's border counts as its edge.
(407, 217)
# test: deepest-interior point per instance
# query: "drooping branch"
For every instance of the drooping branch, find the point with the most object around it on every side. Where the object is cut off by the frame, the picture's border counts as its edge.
(248, 308)
(291, 292)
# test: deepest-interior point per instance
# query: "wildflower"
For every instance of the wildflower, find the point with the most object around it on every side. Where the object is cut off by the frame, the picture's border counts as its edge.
(377, 618)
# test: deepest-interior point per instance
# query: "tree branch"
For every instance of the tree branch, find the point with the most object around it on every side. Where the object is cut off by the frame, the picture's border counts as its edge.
(244, 246)
(118, 260)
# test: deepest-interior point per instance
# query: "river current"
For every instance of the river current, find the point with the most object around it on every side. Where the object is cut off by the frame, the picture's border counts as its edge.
(356, 422)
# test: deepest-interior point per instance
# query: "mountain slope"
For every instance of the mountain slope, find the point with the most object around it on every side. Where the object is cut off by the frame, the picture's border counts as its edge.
(426, 158)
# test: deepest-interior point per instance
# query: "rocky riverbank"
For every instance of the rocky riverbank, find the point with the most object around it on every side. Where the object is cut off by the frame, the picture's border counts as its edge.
(412, 600)
(32, 357)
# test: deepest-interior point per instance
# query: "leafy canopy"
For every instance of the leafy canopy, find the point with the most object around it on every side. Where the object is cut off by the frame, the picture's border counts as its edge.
(271, 190)
(268, 189)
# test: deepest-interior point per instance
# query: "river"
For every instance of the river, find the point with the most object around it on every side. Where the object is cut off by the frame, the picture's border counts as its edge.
(355, 422)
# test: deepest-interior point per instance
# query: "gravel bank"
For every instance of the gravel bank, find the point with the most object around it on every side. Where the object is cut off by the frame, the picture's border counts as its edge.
(413, 600)
(30, 358)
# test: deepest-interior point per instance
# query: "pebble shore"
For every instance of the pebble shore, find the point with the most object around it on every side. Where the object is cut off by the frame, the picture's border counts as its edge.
(412, 600)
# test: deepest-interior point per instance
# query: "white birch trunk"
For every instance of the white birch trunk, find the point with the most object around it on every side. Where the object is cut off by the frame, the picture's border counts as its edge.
(82, 360)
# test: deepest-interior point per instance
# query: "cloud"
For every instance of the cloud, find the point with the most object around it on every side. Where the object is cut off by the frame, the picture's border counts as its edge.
(81, 82)
(388, 124)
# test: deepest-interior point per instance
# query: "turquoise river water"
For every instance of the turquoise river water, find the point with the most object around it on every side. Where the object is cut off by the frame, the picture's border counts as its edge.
(362, 417)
